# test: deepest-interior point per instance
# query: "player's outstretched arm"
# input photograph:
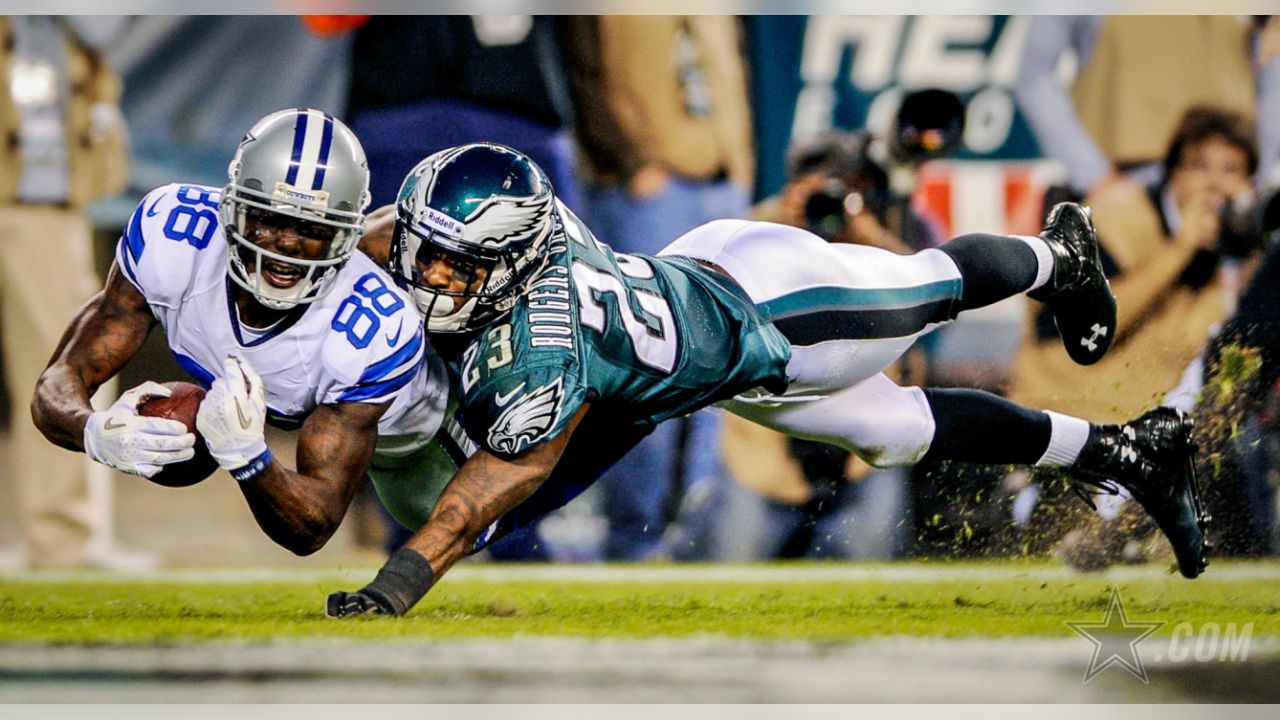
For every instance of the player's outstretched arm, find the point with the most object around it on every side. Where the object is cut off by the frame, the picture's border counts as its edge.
(106, 333)
(484, 489)
(301, 510)
(298, 510)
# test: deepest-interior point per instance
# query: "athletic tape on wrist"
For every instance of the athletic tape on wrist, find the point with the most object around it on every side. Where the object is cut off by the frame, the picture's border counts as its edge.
(255, 467)
(402, 582)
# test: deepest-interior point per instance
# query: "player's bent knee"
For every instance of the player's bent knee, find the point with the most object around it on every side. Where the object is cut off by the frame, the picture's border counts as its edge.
(886, 425)
(893, 449)
(883, 441)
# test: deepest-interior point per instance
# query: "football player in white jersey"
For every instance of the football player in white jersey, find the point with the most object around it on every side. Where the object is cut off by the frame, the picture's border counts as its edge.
(265, 303)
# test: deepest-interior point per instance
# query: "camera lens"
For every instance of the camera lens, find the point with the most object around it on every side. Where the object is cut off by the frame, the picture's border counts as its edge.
(930, 124)
(1239, 234)
(824, 212)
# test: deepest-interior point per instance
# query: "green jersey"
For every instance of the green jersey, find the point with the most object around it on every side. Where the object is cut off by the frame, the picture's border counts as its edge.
(641, 338)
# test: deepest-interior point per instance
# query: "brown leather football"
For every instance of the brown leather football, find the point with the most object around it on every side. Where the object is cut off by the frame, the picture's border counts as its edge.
(182, 406)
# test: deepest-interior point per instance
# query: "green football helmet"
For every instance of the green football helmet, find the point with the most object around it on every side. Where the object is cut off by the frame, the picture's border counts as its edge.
(490, 211)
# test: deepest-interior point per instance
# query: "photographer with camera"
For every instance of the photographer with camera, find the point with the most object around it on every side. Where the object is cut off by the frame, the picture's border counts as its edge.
(856, 187)
(1177, 254)
(1164, 248)
(798, 498)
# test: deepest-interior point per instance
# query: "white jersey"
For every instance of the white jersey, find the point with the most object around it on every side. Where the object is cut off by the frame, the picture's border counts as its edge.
(363, 342)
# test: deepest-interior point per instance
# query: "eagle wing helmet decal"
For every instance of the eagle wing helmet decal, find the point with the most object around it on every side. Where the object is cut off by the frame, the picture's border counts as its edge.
(528, 419)
(500, 220)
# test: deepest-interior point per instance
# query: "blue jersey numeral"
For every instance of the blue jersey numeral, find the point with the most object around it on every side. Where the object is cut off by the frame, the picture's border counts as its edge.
(384, 300)
(192, 222)
(354, 316)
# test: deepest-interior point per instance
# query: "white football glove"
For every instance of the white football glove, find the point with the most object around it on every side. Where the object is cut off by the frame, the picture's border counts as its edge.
(232, 420)
(123, 439)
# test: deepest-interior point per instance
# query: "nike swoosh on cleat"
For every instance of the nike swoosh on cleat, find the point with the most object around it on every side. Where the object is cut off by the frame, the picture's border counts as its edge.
(244, 421)
(151, 211)
(112, 425)
(503, 399)
(392, 340)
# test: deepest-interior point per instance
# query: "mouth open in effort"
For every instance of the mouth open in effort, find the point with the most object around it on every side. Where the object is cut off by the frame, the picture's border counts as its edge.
(281, 274)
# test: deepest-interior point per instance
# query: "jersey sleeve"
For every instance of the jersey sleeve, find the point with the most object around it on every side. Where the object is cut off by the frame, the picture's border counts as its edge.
(391, 356)
(520, 405)
(160, 246)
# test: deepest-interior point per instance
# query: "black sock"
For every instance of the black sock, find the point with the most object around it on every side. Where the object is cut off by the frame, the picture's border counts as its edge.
(993, 267)
(976, 426)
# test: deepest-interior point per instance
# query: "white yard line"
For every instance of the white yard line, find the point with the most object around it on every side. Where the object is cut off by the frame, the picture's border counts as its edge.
(842, 573)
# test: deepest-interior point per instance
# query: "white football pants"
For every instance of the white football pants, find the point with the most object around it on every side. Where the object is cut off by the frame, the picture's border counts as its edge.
(849, 311)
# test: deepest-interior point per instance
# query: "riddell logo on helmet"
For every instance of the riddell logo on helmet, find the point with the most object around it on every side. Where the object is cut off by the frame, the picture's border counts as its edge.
(443, 222)
(500, 281)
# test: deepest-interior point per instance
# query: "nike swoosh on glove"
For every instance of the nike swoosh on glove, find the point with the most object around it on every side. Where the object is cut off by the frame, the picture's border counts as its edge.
(121, 438)
(233, 416)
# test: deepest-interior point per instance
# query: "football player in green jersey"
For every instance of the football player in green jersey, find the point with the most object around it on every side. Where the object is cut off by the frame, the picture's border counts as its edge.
(563, 354)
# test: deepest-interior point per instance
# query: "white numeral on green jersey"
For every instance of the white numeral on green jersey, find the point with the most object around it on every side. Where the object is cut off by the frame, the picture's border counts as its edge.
(500, 340)
(651, 326)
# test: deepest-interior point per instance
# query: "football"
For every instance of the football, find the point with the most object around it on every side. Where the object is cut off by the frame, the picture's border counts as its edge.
(182, 406)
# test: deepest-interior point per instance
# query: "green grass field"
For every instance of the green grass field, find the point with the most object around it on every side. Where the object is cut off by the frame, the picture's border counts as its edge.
(782, 602)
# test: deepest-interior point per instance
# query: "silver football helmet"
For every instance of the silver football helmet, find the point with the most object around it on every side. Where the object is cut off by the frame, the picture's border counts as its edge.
(298, 169)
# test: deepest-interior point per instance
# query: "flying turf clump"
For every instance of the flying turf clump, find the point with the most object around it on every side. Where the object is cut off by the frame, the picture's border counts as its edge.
(1227, 397)
(1237, 367)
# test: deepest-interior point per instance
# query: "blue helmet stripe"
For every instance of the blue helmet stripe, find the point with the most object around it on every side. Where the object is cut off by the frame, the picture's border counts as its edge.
(299, 137)
(326, 140)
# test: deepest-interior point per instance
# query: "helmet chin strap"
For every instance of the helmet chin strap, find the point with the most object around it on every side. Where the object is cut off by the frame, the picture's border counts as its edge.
(443, 313)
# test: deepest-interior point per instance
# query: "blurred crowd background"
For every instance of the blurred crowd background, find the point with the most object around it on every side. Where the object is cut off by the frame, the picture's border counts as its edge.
(899, 132)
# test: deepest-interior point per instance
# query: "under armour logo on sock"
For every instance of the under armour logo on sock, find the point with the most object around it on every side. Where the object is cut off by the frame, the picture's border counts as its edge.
(1091, 342)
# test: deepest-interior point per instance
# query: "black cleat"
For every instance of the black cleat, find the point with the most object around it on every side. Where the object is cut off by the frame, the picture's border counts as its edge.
(1078, 294)
(1153, 458)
